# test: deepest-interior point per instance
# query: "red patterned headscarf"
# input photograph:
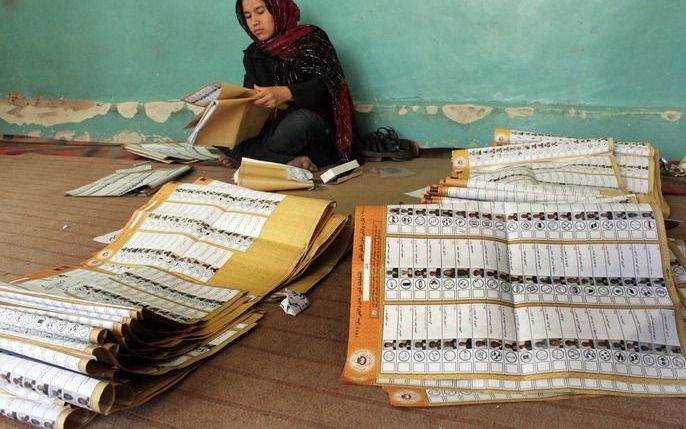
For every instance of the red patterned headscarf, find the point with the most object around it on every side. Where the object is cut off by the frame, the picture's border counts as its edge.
(307, 51)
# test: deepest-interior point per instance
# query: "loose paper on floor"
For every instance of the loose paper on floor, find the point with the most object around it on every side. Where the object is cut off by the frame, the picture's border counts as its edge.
(143, 179)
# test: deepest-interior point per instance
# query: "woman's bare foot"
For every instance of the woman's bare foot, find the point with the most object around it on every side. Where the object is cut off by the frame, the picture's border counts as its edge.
(303, 162)
(227, 161)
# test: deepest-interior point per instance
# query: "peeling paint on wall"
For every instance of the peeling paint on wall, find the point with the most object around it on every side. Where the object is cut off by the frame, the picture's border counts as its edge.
(85, 137)
(64, 135)
(161, 111)
(195, 109)
(515, 112)
(128, 110)
(466, 113)
(18, 110)
(162, 139)
(364, 108)
(432, 110)
(19, 100)
(671, 116)
(36, 117)
(128, 137)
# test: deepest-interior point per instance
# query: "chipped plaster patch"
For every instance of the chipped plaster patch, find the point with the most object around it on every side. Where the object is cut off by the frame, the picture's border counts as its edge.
(466, 113)
(51, 112)
(364, 108)
(162, 139)
(432, 110)
(64, 135)
(17, 99)
(415, 109)
(583, 115)
(20, 100)
(671, 116)
(515, 112)
(403, 111)
(128, 137)
(85, 137)
(195, 109)
(34, 133)
(160, 111)
(128, 110)
(572, 112)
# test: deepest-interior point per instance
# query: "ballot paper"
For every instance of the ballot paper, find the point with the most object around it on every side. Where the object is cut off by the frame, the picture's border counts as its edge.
(172, 152)
(535, 172)
(229, 115)
(514, 298)
(175, 286)
(638, 162)
(141, 179)
(271, 176)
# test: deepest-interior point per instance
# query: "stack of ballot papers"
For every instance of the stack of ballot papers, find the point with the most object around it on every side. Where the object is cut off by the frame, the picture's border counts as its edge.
(142, 179)
(177, 285)
(544, 273)
(341, 173)
(545, 168)
(172, 152)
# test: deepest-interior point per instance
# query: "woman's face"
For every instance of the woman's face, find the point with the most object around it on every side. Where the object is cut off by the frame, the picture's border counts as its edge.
(260, 21)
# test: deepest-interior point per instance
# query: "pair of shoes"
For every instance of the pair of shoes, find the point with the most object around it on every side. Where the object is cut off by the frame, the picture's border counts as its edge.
(384, 143)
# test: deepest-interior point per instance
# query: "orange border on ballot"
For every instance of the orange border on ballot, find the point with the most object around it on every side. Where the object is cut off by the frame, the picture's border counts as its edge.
(362, 361)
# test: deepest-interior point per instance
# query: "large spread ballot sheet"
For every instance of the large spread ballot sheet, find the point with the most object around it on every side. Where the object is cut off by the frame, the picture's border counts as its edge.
(556, 184)
(176, 286)
(514, 299)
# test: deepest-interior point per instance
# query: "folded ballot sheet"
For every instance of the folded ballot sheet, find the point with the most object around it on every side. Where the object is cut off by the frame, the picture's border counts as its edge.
(175, 286)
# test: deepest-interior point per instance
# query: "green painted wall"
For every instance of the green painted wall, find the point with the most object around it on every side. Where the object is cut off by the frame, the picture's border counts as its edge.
(582, 68)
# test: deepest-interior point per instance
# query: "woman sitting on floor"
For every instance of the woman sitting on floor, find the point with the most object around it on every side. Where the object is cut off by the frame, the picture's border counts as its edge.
(295, 65)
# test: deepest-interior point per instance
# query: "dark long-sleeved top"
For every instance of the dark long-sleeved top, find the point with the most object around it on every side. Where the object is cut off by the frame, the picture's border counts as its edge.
(261, 70)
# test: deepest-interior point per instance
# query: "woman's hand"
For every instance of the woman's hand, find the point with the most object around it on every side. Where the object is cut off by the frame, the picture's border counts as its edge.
(272, 96)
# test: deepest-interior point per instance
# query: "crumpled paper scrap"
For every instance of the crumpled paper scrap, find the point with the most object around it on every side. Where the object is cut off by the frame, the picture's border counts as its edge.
(294, 303)
(109, 237)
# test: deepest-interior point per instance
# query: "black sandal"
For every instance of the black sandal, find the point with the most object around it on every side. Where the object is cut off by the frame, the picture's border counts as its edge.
(385, 143)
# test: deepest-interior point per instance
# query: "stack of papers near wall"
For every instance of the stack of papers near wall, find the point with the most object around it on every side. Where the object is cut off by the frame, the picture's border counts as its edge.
(270, 176)
(176, 286)
(142, 179)
(546, 291)
(172, 152)
(564, 171)
(638, 162)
